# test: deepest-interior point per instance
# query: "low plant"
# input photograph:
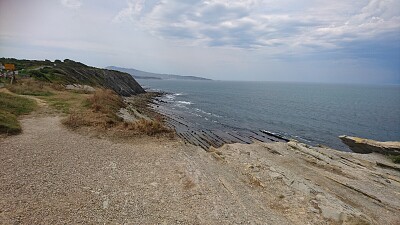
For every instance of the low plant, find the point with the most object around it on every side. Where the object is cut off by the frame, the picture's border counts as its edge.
(99, 110)
(395, 158)
(105, 101)
(30, 87)
(149, 127)
(11, 107)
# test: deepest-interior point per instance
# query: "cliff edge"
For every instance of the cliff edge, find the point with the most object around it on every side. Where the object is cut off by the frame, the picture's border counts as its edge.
(70, 72)
(365, 146)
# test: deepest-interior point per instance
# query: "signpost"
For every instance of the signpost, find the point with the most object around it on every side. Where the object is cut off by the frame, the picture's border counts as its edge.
(10, 71)
(8, 66)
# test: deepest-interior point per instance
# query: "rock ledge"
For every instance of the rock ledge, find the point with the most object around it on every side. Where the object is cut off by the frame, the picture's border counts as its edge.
(365, 146)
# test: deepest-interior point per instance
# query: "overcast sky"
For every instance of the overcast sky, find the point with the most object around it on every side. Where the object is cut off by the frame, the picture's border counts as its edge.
(346, 41)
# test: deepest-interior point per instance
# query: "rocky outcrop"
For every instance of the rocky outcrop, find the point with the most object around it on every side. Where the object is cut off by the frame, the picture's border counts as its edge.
(365, 146)
(74, 73)
(77, 73)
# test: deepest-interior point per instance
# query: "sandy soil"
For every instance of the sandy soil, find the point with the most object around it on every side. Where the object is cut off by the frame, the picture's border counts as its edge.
(51, 175)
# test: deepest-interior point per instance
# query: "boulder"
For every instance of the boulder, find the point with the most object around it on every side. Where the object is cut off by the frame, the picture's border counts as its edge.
(365, 146)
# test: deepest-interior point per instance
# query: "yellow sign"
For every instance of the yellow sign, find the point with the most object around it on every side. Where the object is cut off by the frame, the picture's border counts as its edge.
(8, 66)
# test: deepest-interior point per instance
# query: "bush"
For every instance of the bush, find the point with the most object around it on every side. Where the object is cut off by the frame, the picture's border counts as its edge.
(38, 75)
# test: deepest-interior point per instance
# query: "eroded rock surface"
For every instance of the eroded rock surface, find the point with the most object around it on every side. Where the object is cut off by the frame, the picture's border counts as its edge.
(365, 146)
(51, 175)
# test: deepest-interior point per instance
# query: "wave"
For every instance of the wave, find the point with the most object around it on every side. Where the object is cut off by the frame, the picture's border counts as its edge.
(207, 113)
(184, 102)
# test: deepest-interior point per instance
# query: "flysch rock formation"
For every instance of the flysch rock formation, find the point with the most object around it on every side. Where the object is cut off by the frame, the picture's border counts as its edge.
(366, 146)
(53, 175)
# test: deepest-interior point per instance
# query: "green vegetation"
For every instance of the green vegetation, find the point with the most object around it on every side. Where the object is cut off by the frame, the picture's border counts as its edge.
(11, 107)
(395, 158)
(65, 101)
(30, 87)
(71, 72)
(26, 64)
(47, 81)
(60, 72)
(100, 110)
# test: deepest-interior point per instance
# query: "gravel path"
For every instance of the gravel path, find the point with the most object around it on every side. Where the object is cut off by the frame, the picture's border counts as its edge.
(51, 175)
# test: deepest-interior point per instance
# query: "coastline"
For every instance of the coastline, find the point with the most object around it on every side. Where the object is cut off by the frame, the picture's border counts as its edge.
(203, 136)
(51, 173)
(54, 174)
(312, 114)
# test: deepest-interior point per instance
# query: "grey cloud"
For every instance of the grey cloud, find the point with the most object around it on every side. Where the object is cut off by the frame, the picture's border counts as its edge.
(177, 33)
(218, 13)
(73, 4)
(250, 24)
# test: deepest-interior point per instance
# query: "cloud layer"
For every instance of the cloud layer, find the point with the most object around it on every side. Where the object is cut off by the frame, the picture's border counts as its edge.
(73, 4)
(285, 40)
(253, 24)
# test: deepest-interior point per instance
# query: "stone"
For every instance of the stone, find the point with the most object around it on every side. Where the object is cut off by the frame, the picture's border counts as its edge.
(366, 146)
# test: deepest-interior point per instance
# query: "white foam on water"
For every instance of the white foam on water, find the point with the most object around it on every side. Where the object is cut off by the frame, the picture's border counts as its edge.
(185, 102)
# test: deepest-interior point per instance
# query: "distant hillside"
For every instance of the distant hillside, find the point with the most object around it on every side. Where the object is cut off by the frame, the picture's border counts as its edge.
(147, 75)
(71, 72)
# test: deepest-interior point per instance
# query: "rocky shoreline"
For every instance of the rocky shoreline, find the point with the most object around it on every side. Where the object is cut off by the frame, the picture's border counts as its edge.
(366, 146)
(204, 137)
(53, 175)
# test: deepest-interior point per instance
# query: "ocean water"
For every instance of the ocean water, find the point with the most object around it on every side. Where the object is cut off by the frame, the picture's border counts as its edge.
(311, 113)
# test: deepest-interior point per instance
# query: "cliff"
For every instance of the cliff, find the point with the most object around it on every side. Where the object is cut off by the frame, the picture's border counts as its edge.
(138, 74)
(71, 72)
(365, 146)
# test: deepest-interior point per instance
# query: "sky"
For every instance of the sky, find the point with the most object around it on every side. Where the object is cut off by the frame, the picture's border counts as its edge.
(334, 41)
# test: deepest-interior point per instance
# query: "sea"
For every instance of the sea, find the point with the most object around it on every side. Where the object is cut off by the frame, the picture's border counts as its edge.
(313, 113)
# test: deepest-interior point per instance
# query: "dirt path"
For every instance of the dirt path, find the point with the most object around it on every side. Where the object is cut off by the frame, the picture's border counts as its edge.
(51, 175)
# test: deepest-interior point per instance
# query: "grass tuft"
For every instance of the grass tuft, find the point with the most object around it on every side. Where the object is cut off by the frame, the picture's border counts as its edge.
(11, 107)
(101, 111)
(149, 127)
(30, 87)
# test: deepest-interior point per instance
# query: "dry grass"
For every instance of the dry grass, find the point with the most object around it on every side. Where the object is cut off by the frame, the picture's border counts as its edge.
(12, 106)
(149, 127)
(101, 112)
(30, 87)
(105, 101)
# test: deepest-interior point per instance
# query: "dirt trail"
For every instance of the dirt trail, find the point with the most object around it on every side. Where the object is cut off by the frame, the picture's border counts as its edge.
(50, 174)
